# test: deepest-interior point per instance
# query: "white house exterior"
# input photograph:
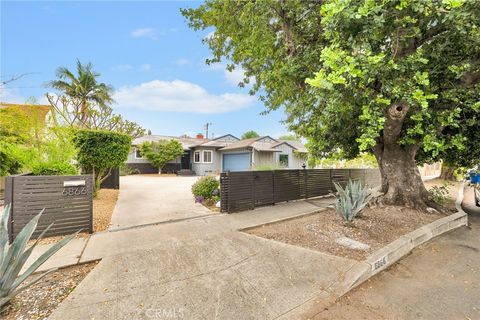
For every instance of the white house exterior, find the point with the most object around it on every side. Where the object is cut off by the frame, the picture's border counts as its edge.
(225, 153)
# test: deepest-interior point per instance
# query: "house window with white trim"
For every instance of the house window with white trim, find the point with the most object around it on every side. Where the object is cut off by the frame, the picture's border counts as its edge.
(207, 156)
(196, 157)
(138, 154)
(283, 159)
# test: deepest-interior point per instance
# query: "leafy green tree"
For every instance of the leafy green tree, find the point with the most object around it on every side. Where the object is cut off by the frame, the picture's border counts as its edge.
(390, 77)
(101, 117)
(83, 88)
(289, 137)
(100, 151)
(250, 134)
(161, 152)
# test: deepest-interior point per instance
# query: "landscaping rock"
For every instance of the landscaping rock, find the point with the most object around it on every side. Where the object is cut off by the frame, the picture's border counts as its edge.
(352, 244)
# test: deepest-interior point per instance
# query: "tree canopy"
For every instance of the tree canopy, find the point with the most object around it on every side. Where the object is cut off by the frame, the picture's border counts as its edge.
(86, 103)
(161, 152)
(100, 151)
(289, 137)
(250, 134)
(83, 87)
(390, 77)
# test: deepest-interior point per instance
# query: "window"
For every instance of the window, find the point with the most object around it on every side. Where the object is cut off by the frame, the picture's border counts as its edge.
(207, 156)
(283, 159)
(138, 154)
(196, 156)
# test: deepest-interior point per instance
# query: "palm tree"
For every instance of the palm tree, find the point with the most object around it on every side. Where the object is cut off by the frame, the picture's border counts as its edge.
(84, 88)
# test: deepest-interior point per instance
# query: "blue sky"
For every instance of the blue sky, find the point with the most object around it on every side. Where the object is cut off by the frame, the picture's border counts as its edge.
(144, 49)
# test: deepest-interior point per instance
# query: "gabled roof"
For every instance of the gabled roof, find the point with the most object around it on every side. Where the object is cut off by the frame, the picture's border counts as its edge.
(258, 144)
(297, 145)
(217, 142)
(254, 143)
(225, 135)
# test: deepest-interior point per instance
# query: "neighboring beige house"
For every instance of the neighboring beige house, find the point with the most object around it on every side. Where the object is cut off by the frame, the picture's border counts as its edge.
(225, 153)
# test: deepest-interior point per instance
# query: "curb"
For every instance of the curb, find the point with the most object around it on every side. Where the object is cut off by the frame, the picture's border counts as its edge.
(394, 251)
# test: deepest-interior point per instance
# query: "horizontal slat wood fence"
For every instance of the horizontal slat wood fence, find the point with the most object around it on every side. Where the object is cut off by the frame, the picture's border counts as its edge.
(68, 202)
(245, 190)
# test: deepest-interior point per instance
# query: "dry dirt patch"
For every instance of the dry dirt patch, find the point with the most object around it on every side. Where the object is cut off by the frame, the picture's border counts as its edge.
(377, 227)
(103, 206)
(39, 300)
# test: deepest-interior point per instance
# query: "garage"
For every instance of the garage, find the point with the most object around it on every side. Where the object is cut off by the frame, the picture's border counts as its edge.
(236, 161)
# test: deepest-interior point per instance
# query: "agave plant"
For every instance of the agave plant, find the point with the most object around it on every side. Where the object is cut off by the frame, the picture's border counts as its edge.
(14, 256)
(351, 200)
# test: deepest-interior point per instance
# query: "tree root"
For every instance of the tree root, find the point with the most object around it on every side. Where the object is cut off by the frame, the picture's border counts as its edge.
(423, 204)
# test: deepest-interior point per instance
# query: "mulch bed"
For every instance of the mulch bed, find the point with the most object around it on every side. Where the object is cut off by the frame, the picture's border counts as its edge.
(103, 206)
(41, 299)
(377, 227)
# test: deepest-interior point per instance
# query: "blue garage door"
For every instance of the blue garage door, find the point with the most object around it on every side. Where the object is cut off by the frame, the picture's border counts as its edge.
(236, 162)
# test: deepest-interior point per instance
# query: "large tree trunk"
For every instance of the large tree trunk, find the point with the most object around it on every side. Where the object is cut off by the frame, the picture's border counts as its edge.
(447, 172)
(401, 180)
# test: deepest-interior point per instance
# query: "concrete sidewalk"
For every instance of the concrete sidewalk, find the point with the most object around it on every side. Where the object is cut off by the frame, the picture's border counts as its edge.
(202, 269)
(111, 243)
(226, 276)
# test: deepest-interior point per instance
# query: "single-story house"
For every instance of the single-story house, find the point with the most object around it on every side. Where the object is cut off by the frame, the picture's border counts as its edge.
(225, 153)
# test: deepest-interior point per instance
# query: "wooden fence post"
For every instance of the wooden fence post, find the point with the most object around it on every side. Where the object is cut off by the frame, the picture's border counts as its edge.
(9, 200)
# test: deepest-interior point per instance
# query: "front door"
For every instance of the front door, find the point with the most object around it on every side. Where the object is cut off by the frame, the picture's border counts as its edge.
(185, 162)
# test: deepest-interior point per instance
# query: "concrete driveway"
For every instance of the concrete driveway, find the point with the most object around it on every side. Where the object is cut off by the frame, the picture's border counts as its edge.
(147, 199)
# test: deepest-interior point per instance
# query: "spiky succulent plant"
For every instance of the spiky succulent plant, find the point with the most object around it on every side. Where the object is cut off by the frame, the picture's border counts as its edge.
(14, 256)
(351, 200)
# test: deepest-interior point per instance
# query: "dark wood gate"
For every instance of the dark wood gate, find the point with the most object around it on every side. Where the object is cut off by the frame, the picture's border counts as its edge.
(67, 200)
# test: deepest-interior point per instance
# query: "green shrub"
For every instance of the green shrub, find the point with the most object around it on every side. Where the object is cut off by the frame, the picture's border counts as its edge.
(440, 194)
(52, 168)
(206, 188)
(99, 151)
(351, 200)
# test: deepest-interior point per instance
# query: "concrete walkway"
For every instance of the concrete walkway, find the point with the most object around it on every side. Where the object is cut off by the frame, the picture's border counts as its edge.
(439, 280)
(202, 269)
(115, 242)
(146, 199)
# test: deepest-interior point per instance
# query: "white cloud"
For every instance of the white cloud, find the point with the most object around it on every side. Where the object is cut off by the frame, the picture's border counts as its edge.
(179, 96)
(149, 33)
(181, 62)
(146, 67)
(209, 35)
(235, 76)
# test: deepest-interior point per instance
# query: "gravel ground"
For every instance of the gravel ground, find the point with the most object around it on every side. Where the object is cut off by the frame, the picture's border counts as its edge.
(377, 227)
(39, 300)
(103, 206)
